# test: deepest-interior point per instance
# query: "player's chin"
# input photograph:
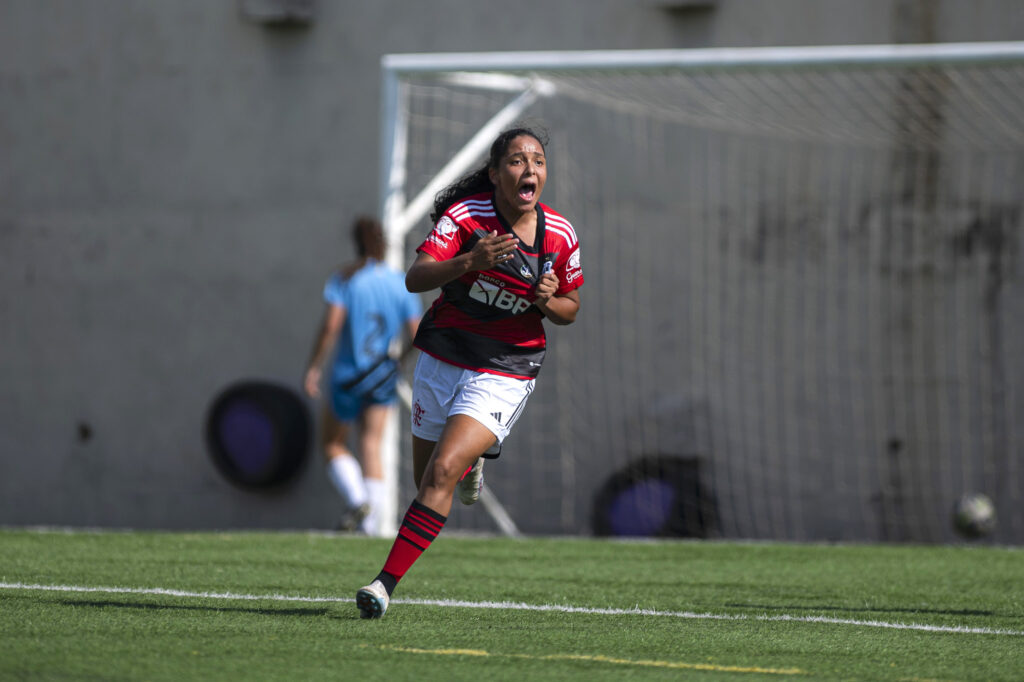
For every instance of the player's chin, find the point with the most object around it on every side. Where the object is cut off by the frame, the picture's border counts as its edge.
(526, 206)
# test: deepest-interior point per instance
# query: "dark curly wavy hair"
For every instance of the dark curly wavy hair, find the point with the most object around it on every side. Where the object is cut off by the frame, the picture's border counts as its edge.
(479, 180)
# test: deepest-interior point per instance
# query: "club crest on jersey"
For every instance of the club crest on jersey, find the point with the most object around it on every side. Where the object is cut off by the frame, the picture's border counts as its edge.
(497, 296)
(446, 227)
(525, 271)
(443, 231)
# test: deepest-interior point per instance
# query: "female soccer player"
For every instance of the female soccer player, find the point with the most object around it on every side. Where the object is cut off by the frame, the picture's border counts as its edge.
(367, 306)
(504, 262)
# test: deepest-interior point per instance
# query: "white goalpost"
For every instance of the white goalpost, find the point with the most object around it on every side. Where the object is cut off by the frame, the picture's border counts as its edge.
(802, 314)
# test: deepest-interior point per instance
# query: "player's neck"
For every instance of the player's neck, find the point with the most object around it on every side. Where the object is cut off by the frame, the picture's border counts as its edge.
(526, 230)
(352, 268)
(524, 224)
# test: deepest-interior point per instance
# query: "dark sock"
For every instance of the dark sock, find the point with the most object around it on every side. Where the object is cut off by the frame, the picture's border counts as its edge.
(389, 581)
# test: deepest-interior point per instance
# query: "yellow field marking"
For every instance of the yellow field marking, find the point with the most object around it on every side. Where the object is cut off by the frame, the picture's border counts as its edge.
(439, 652)
(673, 665)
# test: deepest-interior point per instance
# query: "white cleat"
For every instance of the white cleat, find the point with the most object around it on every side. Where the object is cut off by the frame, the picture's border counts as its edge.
(470, 485)
(372, 600)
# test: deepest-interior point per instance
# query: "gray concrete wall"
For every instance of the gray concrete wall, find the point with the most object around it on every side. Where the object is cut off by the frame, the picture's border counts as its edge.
(174, 184)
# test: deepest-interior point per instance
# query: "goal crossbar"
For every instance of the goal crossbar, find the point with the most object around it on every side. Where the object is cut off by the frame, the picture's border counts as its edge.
(749, 57)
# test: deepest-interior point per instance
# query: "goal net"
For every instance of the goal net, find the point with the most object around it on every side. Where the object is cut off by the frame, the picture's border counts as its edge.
(803, 315)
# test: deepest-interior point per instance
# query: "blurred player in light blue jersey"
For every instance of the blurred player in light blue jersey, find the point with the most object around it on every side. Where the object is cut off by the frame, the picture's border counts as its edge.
(367, 308)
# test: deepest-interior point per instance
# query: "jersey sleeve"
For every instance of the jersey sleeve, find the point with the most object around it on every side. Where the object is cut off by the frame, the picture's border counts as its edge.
(444, 241)
(569, 271)
(336, 291)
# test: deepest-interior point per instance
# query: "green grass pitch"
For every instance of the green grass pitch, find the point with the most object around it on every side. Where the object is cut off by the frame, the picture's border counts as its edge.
(269, 606)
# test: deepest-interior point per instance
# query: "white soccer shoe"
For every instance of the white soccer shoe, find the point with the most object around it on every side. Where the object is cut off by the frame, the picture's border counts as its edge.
(372, 600)
(470, 485)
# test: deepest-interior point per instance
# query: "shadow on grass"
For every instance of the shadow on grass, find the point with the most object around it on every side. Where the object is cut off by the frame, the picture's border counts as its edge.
(96, 603)
(865, 609)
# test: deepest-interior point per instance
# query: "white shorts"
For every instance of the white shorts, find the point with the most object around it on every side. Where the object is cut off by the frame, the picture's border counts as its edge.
(440, 390)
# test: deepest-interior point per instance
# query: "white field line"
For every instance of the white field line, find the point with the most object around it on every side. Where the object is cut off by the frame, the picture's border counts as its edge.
(519, 606)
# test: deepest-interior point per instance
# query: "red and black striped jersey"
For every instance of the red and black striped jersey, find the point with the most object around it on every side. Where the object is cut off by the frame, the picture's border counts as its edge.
(485, 320)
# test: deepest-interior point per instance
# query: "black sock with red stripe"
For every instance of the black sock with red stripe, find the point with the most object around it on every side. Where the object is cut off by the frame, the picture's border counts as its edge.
(419, 528)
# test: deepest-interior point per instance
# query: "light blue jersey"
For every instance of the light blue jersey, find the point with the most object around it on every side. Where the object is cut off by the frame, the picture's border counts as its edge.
(377, 307)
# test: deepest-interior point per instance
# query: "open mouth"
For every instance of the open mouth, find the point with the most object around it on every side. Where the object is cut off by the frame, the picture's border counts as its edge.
(527, 191)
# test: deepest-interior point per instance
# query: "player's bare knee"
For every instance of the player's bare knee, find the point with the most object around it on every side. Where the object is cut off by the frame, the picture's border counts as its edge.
(443, 473)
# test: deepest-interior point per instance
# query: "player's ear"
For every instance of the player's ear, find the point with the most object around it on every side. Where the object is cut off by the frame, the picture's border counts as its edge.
(493, 175)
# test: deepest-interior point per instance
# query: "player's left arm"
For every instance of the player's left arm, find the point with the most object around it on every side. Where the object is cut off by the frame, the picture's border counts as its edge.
(327, 337)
